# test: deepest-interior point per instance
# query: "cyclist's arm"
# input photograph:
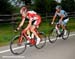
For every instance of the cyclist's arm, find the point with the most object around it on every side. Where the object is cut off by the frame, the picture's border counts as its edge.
(62, 16)
(22, 22)
(29, 25)
(54, 17)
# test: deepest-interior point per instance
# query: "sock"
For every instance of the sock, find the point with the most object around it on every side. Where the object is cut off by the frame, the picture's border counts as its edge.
(38, 41)
(65, 31)
(57, 30)
(32, 36)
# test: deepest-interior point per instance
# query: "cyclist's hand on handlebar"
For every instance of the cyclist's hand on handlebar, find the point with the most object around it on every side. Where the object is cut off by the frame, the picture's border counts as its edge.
(17, 29)
(52, 23)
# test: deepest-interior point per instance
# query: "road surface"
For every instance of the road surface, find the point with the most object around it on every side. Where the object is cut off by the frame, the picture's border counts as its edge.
(62, 49)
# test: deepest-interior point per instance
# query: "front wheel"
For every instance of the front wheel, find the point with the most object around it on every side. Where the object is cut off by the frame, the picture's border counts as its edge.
(17, 48)
(52, 36)
(42, 41)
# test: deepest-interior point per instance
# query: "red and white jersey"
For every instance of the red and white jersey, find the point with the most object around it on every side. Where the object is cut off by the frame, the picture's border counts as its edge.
(32, 15)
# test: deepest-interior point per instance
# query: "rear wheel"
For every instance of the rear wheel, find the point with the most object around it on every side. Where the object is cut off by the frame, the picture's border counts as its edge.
(52, 36)
(17, 48)
(65, 36)
(42, 41)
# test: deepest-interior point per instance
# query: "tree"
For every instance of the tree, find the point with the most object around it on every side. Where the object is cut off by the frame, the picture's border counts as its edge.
(5, 7)
(53, 4)
(45, 6)
(68, 5)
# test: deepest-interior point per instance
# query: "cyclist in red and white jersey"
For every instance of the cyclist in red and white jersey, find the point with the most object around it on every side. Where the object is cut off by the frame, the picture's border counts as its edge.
(34, 21)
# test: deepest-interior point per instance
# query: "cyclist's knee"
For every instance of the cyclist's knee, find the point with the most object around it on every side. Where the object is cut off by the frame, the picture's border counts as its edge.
(23, 32)
(32, 28)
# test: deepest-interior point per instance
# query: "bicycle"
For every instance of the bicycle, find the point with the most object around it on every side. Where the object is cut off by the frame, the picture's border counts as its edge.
(17, 49)
(53, 34)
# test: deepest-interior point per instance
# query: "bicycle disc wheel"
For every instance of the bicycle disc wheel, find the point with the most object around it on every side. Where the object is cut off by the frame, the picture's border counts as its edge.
(52, 36)
(65, 37)
(15, 48)
(42, 42)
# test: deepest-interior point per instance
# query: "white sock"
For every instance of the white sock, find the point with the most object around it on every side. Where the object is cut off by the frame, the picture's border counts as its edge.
(32, 36)
(28, 41)
(57, 30)
(65, 31)
(38, 41)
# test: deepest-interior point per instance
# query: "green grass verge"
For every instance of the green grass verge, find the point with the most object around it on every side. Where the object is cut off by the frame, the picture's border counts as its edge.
(7, 30)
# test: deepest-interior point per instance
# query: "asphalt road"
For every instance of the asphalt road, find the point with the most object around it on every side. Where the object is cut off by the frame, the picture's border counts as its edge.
(62, 49)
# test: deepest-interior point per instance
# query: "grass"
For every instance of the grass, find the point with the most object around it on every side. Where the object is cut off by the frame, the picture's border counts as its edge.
(7, 30)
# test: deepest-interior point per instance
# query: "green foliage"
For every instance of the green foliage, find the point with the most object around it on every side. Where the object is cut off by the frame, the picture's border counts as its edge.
(7, 30)
(6, 7)
(68, 5)
(45, 6)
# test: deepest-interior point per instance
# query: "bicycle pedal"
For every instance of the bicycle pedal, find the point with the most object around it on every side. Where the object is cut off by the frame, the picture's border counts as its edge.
(19, 44)
(59, 35)
(29, 44)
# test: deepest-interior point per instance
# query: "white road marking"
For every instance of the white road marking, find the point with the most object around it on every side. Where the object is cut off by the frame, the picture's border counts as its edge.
(23, 46)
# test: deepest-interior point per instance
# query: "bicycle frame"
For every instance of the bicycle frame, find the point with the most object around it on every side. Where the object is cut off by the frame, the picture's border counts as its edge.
(31, 40)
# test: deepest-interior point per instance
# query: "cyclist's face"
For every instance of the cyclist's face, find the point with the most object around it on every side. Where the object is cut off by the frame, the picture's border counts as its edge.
(58, 10)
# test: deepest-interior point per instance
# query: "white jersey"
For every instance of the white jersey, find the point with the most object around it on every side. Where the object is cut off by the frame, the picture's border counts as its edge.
(62, 12)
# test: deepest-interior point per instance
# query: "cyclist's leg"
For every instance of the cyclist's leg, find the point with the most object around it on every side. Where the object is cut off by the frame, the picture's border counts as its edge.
(20, 38)
(28, 33)
(63, 25)
(57, 28)
(34, 26)
(34, 32)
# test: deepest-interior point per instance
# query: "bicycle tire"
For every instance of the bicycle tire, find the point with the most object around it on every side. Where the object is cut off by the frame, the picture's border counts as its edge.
(52, 35)
(65, 38)
(42, 42)
(14, 43)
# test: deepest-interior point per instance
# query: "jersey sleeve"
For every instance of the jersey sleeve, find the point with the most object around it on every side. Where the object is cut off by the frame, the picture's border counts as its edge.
(63, 12)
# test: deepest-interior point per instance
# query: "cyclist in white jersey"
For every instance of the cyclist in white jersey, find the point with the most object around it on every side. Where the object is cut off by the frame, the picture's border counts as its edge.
(63, 18)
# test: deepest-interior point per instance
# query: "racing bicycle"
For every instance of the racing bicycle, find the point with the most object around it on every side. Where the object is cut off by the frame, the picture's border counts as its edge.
(19, 43)
(53, 34)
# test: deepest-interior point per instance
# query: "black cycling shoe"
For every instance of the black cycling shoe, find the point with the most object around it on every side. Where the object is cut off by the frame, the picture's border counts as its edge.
(59, 35)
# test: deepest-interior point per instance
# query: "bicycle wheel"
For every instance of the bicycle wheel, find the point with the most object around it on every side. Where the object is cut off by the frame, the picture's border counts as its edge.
(42, 42)
(65, 37)
(52, 36)
(15, 48)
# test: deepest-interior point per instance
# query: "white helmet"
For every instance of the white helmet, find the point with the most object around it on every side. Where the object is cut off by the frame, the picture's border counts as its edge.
(23, 9)
(58, 7)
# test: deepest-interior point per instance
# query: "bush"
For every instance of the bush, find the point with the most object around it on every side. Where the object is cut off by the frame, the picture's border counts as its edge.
(68, 5)
(45, 6)
(6, 7)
